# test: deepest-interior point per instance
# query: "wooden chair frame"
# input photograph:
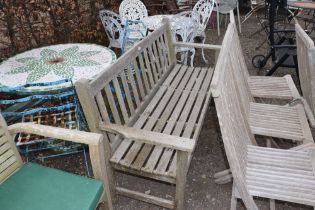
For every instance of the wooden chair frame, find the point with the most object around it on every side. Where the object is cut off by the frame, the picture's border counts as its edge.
(94, 141)
(306, 62)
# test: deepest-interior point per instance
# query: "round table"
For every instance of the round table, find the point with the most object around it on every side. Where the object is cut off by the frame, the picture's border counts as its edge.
(155, 21)
(55, 62)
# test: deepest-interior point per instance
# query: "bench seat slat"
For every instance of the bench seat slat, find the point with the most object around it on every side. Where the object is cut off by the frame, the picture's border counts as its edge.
(166, 103)
(168, 110)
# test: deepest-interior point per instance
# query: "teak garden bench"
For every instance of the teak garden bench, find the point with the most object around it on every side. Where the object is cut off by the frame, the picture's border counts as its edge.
(34, 187)
(286, 175)
(306, 61)
(157, 109)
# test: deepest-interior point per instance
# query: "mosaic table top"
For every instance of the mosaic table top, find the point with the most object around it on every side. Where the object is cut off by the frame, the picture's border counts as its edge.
(56, 62)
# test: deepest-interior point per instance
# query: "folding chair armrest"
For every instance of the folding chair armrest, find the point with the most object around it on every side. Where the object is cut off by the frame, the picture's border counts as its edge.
(149, 137)
(58, 133)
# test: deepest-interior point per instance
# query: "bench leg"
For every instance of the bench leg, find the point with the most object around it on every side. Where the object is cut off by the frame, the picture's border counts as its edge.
(181, 173)
(233, 198)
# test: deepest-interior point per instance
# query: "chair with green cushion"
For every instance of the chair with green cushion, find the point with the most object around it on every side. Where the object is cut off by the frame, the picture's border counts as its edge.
(34, 187)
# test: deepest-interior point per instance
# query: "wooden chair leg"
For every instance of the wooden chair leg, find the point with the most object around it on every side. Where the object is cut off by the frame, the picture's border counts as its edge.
(272, 204)
(272, 201)
(233, 198)
(181, 172)
(218, 22)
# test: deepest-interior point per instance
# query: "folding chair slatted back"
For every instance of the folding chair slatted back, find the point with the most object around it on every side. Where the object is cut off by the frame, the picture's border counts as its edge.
(10, 159)
(234, 127)
(306, 62)
(239, 68)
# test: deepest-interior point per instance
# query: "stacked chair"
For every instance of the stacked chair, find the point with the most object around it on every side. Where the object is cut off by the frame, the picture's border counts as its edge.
(44, 105)
(132, 12)
(276, 174)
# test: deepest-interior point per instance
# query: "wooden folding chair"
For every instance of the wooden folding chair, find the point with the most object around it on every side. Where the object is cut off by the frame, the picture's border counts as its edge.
(286, 175)
(268, 120)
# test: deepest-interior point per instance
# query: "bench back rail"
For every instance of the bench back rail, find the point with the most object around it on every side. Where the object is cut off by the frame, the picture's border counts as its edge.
(122, 92)
(235, 131)
(306, 61)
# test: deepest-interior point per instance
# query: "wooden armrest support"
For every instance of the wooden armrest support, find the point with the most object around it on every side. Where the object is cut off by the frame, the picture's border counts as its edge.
(149, 137)
(58, 133)
(197, 45)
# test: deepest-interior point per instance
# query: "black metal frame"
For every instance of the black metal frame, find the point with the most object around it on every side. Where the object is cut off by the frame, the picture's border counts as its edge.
(279, 44)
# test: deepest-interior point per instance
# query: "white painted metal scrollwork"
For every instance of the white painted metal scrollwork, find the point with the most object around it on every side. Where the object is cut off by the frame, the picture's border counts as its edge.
(201, 14)
(204, 9)
(113, 27)
(132, 10)
(184, 30)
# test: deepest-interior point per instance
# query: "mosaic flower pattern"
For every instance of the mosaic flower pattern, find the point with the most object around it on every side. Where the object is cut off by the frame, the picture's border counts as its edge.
(60, 63)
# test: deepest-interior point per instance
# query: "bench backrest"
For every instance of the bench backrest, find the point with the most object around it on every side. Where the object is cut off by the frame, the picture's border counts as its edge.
(122, 91)
(235, 56)
(306, 61)
(234, 126)
(10, 159)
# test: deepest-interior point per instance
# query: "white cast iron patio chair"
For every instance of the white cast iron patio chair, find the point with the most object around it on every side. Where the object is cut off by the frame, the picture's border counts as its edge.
(224, 7)
(113, 27)
(201, 12)
(132, 10)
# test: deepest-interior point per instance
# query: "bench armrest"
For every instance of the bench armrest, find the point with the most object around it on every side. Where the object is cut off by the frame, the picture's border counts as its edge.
(198, 45)
(58, 133)
(149, 137)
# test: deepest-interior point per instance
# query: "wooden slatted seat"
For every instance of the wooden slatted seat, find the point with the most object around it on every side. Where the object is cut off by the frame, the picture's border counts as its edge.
(151, 109)
(286, 175)
(306, 60)
(280, 121)
(171, 111)
(34, 187)
(264, 86)
(273, 87)
(267, 119)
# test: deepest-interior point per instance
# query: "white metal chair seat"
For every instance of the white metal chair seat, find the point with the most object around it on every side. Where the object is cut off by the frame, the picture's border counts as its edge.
(281, 174)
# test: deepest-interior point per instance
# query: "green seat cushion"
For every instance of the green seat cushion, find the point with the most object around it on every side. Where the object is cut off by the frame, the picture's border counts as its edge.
(36, 187)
